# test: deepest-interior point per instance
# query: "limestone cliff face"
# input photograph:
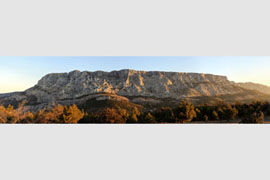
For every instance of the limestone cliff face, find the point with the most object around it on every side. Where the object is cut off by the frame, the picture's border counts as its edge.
(62, 86)
(76, 86)
(254, 86)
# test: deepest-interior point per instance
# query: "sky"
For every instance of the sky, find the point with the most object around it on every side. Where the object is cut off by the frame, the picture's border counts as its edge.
(20, 73)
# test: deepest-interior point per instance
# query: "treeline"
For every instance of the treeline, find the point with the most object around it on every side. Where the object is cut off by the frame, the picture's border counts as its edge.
(57, 114)
(185, 112)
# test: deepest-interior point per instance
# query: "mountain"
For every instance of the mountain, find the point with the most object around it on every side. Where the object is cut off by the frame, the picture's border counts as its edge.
(254, 86)
(7, 94)
(140, 87)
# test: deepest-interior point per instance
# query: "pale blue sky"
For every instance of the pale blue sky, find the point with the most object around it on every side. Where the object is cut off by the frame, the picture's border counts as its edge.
(20, 73)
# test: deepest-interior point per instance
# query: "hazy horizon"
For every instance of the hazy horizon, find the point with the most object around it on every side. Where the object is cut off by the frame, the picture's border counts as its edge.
(20, 73)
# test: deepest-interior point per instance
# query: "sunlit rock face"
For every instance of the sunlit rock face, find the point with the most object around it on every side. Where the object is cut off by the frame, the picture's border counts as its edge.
(127, 85)
(254, 86)
(76, 84)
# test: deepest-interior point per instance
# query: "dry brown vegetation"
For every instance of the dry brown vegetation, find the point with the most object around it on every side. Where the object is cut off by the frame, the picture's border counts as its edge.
(185, 112)
(57, 114)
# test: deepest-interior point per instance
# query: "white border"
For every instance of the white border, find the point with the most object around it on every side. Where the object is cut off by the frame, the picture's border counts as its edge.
(134, 28)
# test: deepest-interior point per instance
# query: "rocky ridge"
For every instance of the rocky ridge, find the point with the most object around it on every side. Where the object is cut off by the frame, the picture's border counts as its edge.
(255, 86)
(77, 87)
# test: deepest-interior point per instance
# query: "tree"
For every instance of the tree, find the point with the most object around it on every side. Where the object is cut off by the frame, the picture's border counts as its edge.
(90, 118)
(109, 115)
(132, 119)
(72, 114)
(147, 118)
(230, 112)
(12, 115)
(185, 112)
(28, 117)
(255, 118)
(199, 115)
(215, 115)
(205, 118)
(53, 115)
(3, 114)
(221, 113)
(40, 117)
(60, 114)
(165, 115)
(260, 118)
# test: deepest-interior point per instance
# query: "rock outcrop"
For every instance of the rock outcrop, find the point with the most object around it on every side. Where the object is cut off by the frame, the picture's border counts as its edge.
(76, 86)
